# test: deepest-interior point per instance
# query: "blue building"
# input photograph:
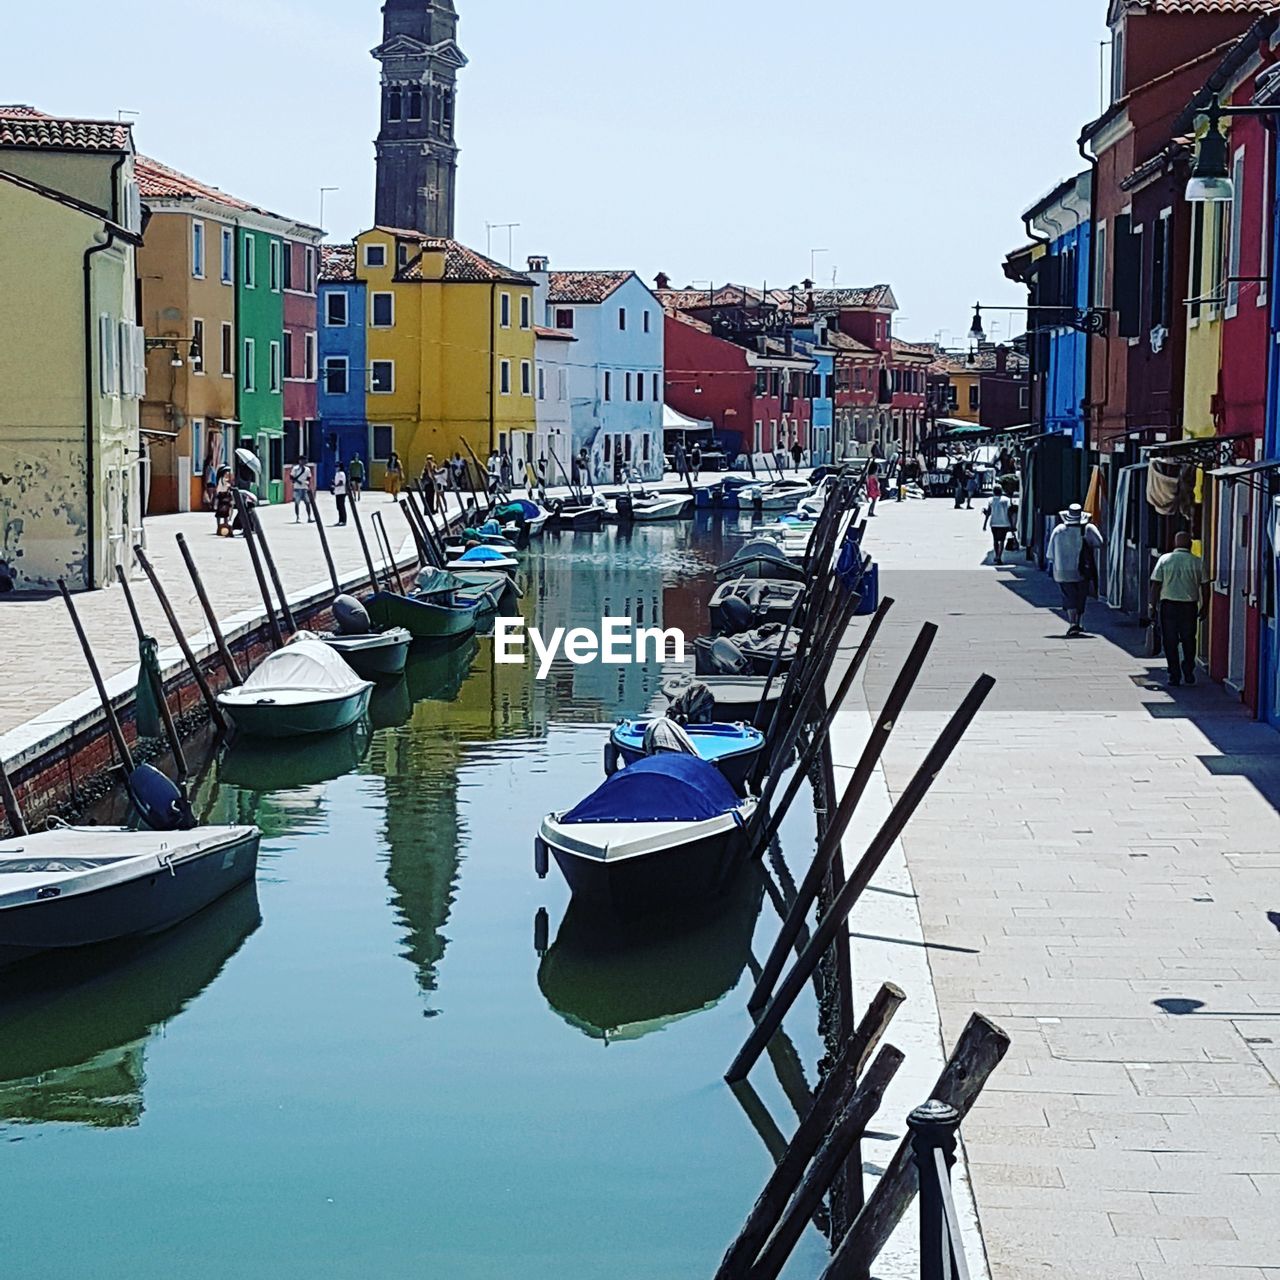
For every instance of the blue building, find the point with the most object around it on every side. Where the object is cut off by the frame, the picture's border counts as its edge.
(811, 343)
(342, 351)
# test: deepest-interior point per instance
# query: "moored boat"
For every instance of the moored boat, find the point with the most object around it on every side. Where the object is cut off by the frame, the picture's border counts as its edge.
(748, 653)
(664, 506)
(667, 830)
(760, 558)
(732, 748)
(743, 605)
(485, 558)
(442, 606)
(79, 886)
(380, 655)
(732, 698)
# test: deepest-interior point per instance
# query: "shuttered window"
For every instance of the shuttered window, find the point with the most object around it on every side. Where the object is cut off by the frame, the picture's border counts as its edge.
(1127, 285)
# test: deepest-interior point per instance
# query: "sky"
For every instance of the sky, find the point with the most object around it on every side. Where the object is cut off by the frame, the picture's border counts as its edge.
(715, 140)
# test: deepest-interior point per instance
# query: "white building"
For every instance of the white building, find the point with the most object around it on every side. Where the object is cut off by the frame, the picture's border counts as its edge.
(553, 437)
(615, 367)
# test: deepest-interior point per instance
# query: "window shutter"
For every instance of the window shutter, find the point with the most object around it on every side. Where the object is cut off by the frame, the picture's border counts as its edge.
(1128, 278)
(105, 338)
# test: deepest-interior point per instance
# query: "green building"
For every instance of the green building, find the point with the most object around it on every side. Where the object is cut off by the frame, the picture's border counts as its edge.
(260, 377)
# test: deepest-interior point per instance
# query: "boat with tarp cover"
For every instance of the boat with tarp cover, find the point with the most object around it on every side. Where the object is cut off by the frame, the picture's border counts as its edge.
(666, 831)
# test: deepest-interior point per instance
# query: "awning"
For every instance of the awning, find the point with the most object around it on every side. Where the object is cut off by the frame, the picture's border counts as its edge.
(160, 435)
(1255, 474)
(1199, 451)
(674, 420)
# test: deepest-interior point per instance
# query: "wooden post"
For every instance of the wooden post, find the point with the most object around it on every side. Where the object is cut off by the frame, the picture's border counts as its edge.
(978, 1052)
(844, 1136)
(419, 531)
(834, 921)
(155, 681)
(853, 793)
(228, 661)
(113, 724)
(832, 1098)
(364, 546)
(277, 635)
(328, 555)
(391, 577)
(215, 711)
(17, 823)
(261, 535)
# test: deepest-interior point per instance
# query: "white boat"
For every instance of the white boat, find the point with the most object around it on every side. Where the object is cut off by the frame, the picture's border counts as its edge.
(662, 506)
(80, 886)
(303, 688)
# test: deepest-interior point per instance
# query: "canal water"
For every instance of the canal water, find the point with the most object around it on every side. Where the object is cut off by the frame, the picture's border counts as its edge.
(362, 1067)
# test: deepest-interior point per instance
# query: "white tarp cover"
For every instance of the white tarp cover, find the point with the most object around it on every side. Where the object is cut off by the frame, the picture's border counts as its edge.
(674, 420)
(305, 664)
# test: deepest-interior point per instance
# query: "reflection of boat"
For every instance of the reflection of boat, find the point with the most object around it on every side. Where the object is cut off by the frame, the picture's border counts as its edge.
(77, 887)
(732, 748)
(668, 829)
(73, 1027)
(302, 689)
(390, 705)
(263, 767)
(620, 980)
(438, 675)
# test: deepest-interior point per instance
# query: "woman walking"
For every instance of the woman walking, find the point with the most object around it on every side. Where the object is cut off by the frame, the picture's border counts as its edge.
(395, 475)
(1000, 514)
(873, 486)
(223, 502)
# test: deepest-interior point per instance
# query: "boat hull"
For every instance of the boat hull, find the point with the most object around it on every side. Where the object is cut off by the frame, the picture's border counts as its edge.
(737, 698)
(150, 902)
(672, 510)
(423, 619)
(268, 719)
(381, 657)
(583, 519)
(736, 766)
(761, 659)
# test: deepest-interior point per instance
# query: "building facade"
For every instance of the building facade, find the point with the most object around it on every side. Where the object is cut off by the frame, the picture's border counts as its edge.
(343, 365)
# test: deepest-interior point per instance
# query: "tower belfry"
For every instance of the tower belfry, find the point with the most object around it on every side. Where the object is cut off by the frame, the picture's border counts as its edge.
(417, 152)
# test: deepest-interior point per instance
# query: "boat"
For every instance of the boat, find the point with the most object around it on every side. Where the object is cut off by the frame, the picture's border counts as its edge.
(458, 546)
(441, 606)
(781, 495)
(745, 604)
(301, 689)
(663, 506)
(748, 653)
(761, 558)
(81, 886)
(732, 748)
(485, 558)
(621, 980)
(490, 587)
(584, 514)
(668, 830)
(732, 698)
(724, 495)
(370, 653)
(521, 517)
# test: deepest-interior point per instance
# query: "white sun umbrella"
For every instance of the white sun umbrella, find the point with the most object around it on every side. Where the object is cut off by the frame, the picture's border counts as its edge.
(250, 460)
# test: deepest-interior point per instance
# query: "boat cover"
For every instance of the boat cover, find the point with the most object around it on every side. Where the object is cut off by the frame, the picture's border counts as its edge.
(481, 556)
(438, 582)
(665, 788)
(305, 664)
(519, 507)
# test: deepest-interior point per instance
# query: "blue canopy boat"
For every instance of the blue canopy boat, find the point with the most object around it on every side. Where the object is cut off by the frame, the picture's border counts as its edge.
(664, 832)
(485, 557)
(732, 748)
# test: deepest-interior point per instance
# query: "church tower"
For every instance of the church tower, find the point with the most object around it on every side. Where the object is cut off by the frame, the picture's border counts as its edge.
(417, 155)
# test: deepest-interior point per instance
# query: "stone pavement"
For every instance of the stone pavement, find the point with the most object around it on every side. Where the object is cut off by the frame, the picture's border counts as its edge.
(1095, 870)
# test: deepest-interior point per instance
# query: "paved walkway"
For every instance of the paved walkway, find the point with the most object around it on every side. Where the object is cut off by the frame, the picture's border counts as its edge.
(1098, 869)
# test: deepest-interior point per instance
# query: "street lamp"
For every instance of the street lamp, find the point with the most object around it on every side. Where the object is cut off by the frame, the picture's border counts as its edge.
(1210, 179)
(174, 344)
(977, 335)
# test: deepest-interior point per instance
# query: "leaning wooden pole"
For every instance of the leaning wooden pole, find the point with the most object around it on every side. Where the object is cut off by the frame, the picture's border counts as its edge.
(260, 533)
(834, 921)
(113, 723)
(224, 652)
(277, 636)
(17, 822)
(374, 585)
(328, 554)
(829, 850)
(215, 711)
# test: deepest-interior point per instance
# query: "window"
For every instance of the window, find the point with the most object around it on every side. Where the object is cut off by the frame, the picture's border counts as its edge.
(1196, 283)
(249, 268)
(197, 250)
(608, 385)
(395, 105)
(504, 310)
(133, 207)
(275, 366)
(1264, 246)
(335, 375)
(622, 319)
(228, 351)
(608, 448)
(639, 386)
(975, 398)
(645, 446)
(657, 387)
(1161, 271)
(288, 354)
(250, 352)
(564, 318)
(382, 377)
(646, 329)
(526, 311)
(415, 104)
(1127, 277)
(382, 440)
(1024, 397)
(108, 356)
(627, 385)
(335, 309)
(197, 347)
(382, 310)
(228, 256)
(1237, 220)
(375, 255)
(273, 258)
(402, 255)
(309, 259)
(309, 357)
(287, 250)
(504, 378)
(197, 441)
(1217, 256)
(542, 383)
(526, 378)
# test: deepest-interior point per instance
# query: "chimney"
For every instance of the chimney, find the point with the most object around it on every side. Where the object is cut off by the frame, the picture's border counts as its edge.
(662, 281)
(1002, 359)
(539, 263)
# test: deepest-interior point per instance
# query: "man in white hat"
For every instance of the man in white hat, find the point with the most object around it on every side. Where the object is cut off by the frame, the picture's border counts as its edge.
(1073, 553)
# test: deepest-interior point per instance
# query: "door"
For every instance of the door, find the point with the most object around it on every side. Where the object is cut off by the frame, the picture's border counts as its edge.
(1241, 513)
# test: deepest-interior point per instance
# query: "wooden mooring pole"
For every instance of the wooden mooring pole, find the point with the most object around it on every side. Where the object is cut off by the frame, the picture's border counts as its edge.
(364, 546)
(228, 660)
(17, 822)
(277, 636)
(328, 555)
(260, 534)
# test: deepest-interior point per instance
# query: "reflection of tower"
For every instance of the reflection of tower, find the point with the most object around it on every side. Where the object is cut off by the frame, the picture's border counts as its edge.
(417, 153)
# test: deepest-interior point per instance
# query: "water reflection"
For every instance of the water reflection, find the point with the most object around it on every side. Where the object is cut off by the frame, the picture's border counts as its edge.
(74, 1028)
(266, 767)
(621, 981)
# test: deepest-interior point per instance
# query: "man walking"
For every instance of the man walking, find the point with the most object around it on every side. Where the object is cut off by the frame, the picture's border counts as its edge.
(356, 477)
(1073, 548)
(695, 461)
(1180, 597)
(300, 476)
(797, 453)
(340, 492)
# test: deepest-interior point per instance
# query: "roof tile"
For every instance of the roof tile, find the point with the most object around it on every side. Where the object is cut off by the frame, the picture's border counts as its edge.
(23, 126)
(585, 286)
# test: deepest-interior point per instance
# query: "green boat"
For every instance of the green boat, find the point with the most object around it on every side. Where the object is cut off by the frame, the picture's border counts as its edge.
(442, 606)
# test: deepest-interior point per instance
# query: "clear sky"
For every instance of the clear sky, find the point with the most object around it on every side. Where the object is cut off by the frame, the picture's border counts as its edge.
(712, 139)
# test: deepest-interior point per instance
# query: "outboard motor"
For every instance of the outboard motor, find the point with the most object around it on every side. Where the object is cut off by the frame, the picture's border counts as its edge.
(728, 659)
(696, 705)
(351, 616)
(736, 614)
(665, 736)
(158, 801)
(626, 507)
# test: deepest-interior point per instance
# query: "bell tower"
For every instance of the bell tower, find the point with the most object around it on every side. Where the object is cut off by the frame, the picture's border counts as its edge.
(416, 148)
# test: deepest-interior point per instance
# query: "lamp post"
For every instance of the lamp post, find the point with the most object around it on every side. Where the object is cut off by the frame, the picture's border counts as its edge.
(1210, 181)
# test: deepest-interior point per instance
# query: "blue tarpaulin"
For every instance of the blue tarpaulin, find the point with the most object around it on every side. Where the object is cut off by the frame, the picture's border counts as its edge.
(666, 788)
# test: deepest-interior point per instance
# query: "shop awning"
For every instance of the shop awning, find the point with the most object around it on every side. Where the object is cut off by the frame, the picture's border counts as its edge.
(1251, 473)
(674, 420)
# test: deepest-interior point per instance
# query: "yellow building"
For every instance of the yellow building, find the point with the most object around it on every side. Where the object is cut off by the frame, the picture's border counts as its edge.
(450, 349)
(71, 352)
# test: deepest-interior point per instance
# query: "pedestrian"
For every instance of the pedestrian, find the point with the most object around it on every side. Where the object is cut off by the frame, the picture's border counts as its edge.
(999, 513)
(681, 460)
(506, 470)
(972, 486)
(340, 492)
(300, 478)
(224, 500)
(427, 483)
(457, 472)
(959, 483)
(493, 468)
(797, 453)
(355, 476)
(1179, 597)
(873, 486)
(395, 475)
(1073, 548)
(695, 460)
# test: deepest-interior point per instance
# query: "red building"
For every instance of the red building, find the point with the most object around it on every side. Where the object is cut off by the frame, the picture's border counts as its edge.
(299, 266)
